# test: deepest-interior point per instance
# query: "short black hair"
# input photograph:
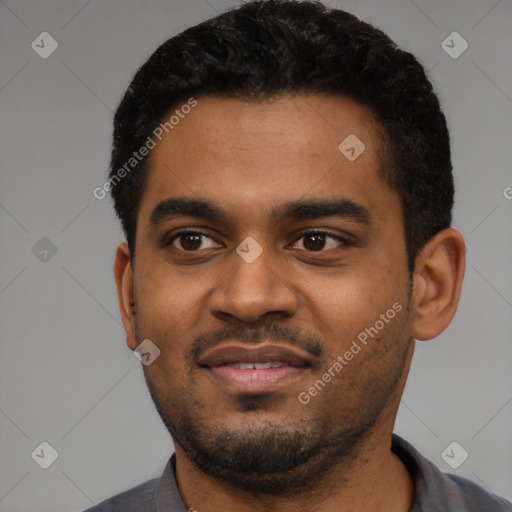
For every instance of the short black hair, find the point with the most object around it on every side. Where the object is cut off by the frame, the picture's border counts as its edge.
(264, 49)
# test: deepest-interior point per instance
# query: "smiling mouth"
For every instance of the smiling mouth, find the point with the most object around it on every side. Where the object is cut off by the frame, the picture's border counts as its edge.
(257, 366)
(262, 368)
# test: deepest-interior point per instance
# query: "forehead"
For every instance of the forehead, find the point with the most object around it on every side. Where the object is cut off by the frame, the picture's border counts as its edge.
(248, 156)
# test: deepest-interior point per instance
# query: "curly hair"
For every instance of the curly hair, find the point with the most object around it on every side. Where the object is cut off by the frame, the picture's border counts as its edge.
(267, 48)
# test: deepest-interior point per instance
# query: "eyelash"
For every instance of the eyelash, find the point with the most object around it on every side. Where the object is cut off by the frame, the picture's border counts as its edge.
(343, 241)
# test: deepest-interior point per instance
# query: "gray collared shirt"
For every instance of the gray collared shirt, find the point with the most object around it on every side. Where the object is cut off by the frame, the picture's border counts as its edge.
(435, 491)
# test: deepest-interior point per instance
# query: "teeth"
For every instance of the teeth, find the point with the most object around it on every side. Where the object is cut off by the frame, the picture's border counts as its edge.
(258, 366)
(261, 366)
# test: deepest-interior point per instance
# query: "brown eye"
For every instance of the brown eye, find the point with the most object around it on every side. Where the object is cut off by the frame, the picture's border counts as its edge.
(189, 241)
(317, 241)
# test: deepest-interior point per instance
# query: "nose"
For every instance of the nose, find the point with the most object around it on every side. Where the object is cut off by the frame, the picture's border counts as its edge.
(251, 290)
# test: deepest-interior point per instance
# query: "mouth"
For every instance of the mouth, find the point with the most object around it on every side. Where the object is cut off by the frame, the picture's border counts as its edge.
(258, 369)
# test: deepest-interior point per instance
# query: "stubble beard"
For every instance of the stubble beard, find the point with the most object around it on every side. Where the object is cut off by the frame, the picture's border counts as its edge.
(279, 459)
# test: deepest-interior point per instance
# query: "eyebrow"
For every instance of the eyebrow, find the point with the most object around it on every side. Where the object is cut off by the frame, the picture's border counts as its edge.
(175, 207)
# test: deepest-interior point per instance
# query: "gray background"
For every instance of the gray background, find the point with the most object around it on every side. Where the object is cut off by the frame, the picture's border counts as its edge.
(66, 376)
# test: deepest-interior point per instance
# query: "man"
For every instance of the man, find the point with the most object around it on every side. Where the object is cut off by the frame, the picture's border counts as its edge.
(282, 174)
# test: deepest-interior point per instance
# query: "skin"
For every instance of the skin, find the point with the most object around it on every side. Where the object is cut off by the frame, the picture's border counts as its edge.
(249, 157)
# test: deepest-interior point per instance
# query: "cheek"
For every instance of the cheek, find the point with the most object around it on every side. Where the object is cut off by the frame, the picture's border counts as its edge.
(354, 298)
(168, 297)
(167, 373)
(168, 313)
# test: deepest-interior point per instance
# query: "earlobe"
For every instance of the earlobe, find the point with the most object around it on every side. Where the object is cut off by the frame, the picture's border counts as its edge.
(437, 283)
(123, 274)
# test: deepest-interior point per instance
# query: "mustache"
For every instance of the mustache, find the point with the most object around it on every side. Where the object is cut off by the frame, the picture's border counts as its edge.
(311, 344)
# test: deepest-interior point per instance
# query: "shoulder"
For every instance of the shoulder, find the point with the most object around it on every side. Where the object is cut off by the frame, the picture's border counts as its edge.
(476, 498)
(154, 495)
(137, 499)
(437, 491)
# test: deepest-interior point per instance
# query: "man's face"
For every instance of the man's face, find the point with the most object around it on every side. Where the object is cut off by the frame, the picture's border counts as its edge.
(299, 304)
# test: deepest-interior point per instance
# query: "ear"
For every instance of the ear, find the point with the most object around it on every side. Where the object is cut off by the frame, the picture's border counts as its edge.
(437, 283)
(123, 274)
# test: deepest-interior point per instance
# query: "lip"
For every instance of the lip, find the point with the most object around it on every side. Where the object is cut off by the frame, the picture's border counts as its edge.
(223, 362)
